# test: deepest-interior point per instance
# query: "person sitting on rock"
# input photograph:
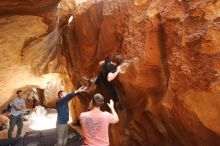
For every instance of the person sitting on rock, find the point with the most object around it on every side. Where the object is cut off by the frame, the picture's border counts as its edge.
(110, 70)
(4, 122)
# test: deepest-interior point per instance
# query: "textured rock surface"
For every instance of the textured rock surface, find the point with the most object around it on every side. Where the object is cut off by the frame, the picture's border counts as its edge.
(30, 49)
(170, 90)
(171, 87)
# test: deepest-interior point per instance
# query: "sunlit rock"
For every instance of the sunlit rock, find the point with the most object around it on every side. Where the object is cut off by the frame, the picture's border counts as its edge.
(170, 84)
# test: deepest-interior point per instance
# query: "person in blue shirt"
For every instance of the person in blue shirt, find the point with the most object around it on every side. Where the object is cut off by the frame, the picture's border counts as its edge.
(63, 114)
(16, 118)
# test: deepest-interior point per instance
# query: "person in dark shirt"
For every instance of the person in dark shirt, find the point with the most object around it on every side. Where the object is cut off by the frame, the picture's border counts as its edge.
(63, 114)
(110, 70)
(8, 109)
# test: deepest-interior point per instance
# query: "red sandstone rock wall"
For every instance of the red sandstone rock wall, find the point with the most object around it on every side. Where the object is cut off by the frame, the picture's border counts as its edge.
(170, 91)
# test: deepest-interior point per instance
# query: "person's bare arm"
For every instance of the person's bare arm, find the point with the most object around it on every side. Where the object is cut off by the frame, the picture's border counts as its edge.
(72, 95)
(81, 89)
(23, 106)
(112, 76)
(115, 115)
(17, 107)
(101, 63)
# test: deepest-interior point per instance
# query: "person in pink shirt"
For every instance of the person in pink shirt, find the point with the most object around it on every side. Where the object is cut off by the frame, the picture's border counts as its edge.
(95, 122)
